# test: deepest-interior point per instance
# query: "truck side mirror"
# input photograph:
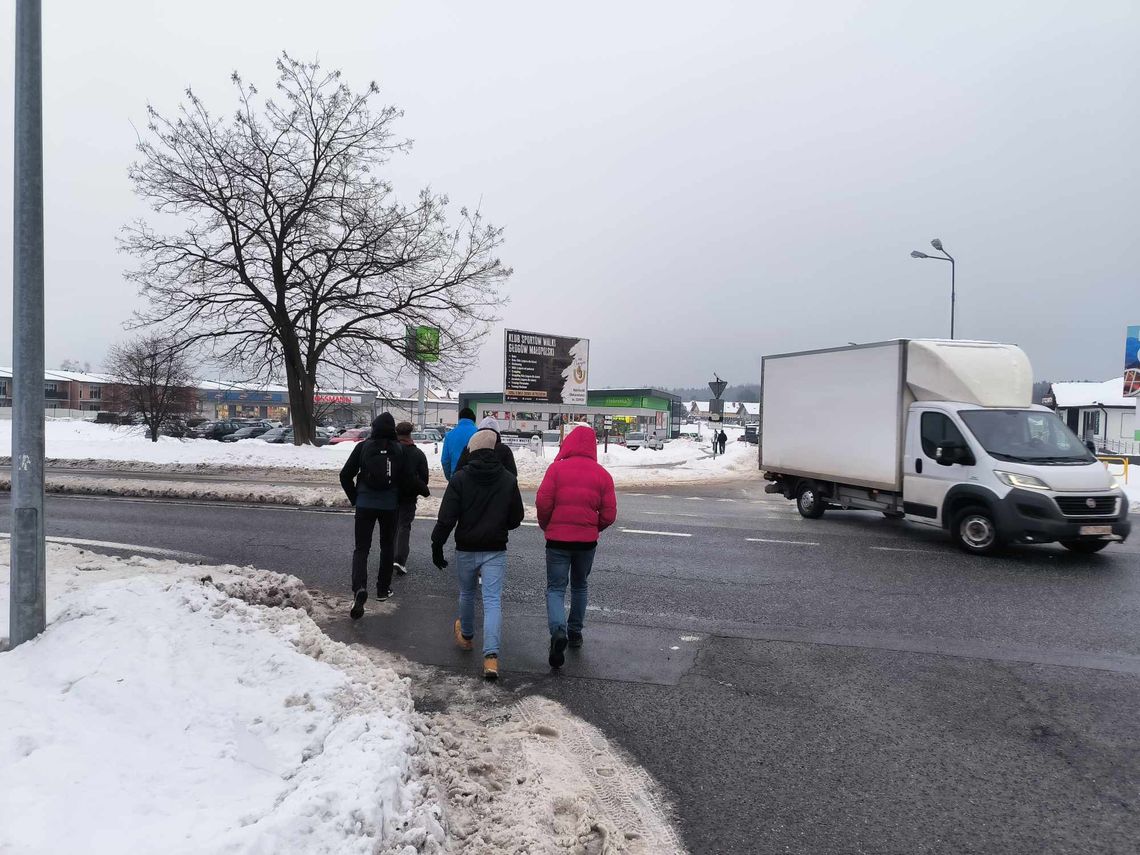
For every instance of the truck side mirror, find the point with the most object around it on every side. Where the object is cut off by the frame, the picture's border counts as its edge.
(1091, 446)
(951, 453)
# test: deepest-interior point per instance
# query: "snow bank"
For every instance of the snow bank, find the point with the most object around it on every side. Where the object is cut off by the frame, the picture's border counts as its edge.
(160, 712)
(104, 446)
(1133, 491)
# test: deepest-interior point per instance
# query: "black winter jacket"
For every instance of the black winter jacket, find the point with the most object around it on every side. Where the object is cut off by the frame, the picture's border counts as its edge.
(407, 478)
(417, 461)
(482, 504)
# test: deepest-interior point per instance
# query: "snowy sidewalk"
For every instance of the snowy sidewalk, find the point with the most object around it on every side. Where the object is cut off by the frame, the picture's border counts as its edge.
(191, 709)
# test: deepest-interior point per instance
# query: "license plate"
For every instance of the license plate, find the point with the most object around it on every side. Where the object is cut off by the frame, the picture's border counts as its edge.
(1096, 529)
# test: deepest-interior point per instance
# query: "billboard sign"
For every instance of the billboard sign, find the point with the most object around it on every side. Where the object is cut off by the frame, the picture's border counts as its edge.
(421, 344)
(545, 369)
(1132, 363)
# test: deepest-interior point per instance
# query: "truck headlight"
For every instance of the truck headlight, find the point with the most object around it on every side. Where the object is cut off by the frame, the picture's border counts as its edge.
(1017, 479)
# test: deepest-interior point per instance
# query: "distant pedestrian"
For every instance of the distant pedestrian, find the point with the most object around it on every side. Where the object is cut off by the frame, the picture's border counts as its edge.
(723, 440)
(409, 495)
(456, 441)
(372, 478)
(482, 504)
(502, 450)
(576, 502)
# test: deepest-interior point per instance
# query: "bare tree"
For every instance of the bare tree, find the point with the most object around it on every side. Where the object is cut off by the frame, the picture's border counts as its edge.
(153, 381)
(75, 365)
(296, 258)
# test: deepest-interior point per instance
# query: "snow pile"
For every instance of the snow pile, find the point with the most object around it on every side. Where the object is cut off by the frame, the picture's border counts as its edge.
(1133, 493)
(160, 712)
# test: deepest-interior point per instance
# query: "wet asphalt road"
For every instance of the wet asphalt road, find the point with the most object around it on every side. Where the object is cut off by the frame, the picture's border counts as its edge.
(843, 685)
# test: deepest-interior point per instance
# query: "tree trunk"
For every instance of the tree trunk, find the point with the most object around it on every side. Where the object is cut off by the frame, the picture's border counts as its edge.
(300, 393)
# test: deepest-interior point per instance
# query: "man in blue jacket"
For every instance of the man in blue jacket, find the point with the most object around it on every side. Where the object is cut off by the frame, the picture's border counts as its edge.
(456, 440)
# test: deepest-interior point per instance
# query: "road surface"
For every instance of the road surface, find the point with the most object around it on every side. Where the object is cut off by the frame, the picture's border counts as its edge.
(844, 685)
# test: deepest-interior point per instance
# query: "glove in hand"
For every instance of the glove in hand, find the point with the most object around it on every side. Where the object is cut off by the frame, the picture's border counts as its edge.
(437, 557)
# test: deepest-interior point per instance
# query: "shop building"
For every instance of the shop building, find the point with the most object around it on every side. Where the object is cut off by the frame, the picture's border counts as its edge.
(1097, 411)
(629, 410)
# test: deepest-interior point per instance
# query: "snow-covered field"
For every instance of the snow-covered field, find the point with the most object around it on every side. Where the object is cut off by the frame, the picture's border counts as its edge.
(165, 709)
(681, 460)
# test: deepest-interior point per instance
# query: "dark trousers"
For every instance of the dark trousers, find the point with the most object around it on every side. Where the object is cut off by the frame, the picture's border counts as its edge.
(407, 513)
(366, 519)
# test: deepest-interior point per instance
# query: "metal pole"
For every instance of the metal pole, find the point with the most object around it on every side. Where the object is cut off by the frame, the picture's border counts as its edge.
(421, 413)
(952, 299)
(28, 600)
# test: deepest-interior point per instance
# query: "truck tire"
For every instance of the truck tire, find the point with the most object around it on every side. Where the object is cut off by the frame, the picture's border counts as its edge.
(1084, 547)
(975, 531)
(808, 501)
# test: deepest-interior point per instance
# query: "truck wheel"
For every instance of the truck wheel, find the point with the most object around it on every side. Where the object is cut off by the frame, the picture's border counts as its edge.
(974, 531)
(1084, 547)
(808, 501)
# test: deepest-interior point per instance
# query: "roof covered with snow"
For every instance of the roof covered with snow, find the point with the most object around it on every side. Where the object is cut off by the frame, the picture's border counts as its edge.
(1085, 393)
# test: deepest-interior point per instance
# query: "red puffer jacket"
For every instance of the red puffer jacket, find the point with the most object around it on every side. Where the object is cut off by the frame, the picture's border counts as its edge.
(576, 500)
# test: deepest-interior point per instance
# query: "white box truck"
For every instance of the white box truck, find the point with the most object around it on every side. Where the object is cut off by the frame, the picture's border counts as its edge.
(943, 433)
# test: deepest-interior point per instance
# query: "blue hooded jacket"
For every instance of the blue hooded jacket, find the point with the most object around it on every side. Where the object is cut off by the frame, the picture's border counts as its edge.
(453, 445)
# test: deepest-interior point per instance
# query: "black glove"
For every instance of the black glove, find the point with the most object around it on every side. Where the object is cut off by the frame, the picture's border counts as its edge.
(425, 492)
(437, 556)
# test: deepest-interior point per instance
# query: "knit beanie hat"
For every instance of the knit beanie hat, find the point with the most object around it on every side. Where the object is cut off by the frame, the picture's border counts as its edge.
(482, 438)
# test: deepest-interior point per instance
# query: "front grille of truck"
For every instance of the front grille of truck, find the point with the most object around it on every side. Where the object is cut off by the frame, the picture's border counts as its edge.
(1078, 506)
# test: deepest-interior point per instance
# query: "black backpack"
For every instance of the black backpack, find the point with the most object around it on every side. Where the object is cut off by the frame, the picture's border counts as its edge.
(381, 464)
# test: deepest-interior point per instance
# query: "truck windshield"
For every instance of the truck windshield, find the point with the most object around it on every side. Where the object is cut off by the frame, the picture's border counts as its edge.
(1026, 436)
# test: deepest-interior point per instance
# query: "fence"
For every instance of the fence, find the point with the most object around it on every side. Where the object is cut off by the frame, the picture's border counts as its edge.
(54, 413)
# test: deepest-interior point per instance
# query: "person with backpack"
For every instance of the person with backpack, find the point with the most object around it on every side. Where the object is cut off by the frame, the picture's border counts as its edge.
(482, 504)
(409, 495)
(372, 479)
(576, 502)
(502, 450)
(456, 441)
(723, 440)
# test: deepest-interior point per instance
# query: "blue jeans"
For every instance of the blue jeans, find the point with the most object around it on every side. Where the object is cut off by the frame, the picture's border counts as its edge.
(562, 566)
(493, 568)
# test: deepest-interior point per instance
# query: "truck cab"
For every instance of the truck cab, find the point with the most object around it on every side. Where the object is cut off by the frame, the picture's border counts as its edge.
(1013, 475)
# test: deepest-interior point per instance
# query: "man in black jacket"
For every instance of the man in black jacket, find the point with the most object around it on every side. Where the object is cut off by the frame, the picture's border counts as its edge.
(482, 504)
(373, 478)
(417, 460)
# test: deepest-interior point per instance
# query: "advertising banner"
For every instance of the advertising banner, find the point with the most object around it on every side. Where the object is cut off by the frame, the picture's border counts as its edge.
(545, 369)
(1132, 363)
(421, 344)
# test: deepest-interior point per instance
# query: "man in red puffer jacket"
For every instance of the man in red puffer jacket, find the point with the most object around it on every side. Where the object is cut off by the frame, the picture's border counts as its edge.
(575, 503)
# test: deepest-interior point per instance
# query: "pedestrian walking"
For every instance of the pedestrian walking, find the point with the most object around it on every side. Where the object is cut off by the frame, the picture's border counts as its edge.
(372, 478)
(723, 440)
(409, 495)
(482, 504)
(456, 441)
(502, 451)
(576, 502)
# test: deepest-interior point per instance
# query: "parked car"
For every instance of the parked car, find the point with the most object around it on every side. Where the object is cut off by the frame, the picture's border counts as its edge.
(751, 434)
(214, 430)
(284, 436)
(351, 435)
(426, 437)
(175, 428)
(248, 432)
(636, 440)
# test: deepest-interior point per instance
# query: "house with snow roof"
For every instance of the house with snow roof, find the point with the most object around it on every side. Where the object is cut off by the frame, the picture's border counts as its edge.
(1097, 410)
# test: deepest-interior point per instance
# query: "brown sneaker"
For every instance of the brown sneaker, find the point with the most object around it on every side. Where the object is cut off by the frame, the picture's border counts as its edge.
(491, 667)
(464, 643)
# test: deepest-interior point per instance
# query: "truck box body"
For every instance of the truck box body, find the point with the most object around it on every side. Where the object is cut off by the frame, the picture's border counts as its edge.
(840, 414)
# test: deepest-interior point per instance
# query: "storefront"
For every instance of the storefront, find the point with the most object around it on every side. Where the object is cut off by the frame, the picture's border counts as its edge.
(246, 404)
(628, 410)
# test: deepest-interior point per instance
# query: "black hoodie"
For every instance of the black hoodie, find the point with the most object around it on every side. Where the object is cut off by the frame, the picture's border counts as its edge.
(405, 478)
(482, 504)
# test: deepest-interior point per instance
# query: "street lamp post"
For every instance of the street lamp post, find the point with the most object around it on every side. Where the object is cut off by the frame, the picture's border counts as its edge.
(937, 244)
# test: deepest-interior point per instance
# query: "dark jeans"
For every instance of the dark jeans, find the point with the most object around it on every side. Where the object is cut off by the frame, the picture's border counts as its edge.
(407, 513)
(366, 519)
(562, 566)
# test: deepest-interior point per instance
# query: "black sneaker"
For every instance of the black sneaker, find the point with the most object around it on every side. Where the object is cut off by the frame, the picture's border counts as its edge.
(381, 597)
(575, 640)
(558, 648)
(357, 610)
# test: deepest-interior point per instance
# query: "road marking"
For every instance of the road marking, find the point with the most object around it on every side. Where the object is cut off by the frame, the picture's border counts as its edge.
(694, 498)
(531, 524)
(131, 547)
(773, 540)
(662, 533)
(726, 500)
(673, 514)
(900, 549)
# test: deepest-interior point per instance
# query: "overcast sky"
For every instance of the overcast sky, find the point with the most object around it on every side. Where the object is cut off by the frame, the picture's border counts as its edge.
(689, 185)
